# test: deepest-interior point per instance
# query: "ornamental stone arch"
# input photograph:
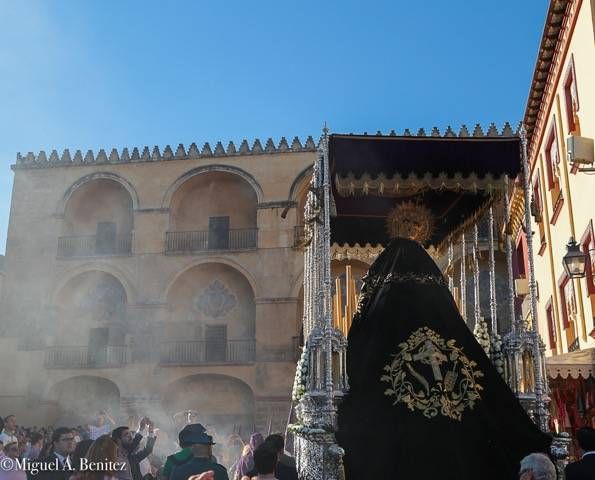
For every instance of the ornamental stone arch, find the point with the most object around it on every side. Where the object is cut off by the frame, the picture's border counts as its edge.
(212, 301)
(97, 217)
(73, 400)
(298, 182)
(224, 402)
(166, 202)
(87, 319)
(67, 276)
(299, 191)
(97, 176)
(212, 259)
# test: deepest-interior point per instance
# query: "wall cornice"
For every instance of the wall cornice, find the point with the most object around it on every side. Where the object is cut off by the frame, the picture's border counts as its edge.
(41, 160)
(555, 41)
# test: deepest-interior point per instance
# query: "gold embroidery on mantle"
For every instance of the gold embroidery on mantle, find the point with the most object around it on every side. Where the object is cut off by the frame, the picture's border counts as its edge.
(451, 387)
(371, 283)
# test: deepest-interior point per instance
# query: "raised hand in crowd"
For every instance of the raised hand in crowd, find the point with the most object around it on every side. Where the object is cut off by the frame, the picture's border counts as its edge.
(210, 475)
(143, 423)
(108, 416)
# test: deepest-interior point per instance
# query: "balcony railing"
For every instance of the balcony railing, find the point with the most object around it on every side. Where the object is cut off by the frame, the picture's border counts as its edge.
(83, 357)
(202, 241)
(202, 352)
(88, 246)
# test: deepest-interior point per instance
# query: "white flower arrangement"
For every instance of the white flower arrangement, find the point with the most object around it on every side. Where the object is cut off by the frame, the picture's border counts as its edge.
(305, 431)
(482, 335)
(301, 376)
(496, 353)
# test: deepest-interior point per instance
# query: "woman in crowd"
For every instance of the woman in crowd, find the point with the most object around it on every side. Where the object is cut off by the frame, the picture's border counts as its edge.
(233, 453)
(80, 452)
(246, 463)
(103, 450)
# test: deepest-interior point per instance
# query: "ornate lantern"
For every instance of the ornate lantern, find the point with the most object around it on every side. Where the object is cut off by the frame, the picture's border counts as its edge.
(575, 260)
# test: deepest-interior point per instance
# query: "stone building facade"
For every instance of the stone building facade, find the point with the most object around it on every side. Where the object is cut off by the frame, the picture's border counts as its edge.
(155, 282)
(561, 105)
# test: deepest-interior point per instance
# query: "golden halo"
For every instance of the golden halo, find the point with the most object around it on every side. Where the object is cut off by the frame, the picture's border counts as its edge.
(410, 220)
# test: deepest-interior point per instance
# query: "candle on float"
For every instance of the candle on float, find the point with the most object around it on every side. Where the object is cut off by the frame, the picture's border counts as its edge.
(455, 294)
(352, 301)
(337, 306)
(348, 300)
(344, 321)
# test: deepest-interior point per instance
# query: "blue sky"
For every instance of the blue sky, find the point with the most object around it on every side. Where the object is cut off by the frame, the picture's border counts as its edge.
(103, 74)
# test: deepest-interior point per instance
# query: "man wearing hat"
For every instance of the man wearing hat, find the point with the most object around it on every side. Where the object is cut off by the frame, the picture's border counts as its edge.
(194, 436)
(185, 454)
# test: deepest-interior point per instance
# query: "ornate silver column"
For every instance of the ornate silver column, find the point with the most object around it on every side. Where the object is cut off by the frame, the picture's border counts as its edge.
(541, 399)
(511, 341)
(311, 216)
(475, 259)
(508, 246)
(450, 266)
(480, 329)
(492, 269)
(496, 354)
(307, 314)
(317, 454)
(326, 284)
(463, 279)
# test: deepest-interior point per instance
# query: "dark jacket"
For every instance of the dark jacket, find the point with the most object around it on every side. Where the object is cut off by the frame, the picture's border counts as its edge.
(287, 460)
(179, 458)
(198, 465)
(175, 460)
(282, 472)
(62, 473)
(134, 457)
(582, 470)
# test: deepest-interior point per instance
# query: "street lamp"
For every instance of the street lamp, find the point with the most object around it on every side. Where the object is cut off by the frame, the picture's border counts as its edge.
(575, 260)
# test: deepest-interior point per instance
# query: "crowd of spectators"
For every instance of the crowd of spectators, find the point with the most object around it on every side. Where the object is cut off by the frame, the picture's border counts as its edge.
(104, 450)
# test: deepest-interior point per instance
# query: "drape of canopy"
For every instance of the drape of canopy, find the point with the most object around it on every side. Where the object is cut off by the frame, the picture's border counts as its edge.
(456, 178)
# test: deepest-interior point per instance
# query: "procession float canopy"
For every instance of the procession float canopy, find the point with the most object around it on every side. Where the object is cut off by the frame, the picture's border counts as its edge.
(366, 190)
(446, 181)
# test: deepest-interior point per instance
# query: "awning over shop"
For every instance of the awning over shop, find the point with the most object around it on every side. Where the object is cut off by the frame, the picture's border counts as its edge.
(574, 364)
